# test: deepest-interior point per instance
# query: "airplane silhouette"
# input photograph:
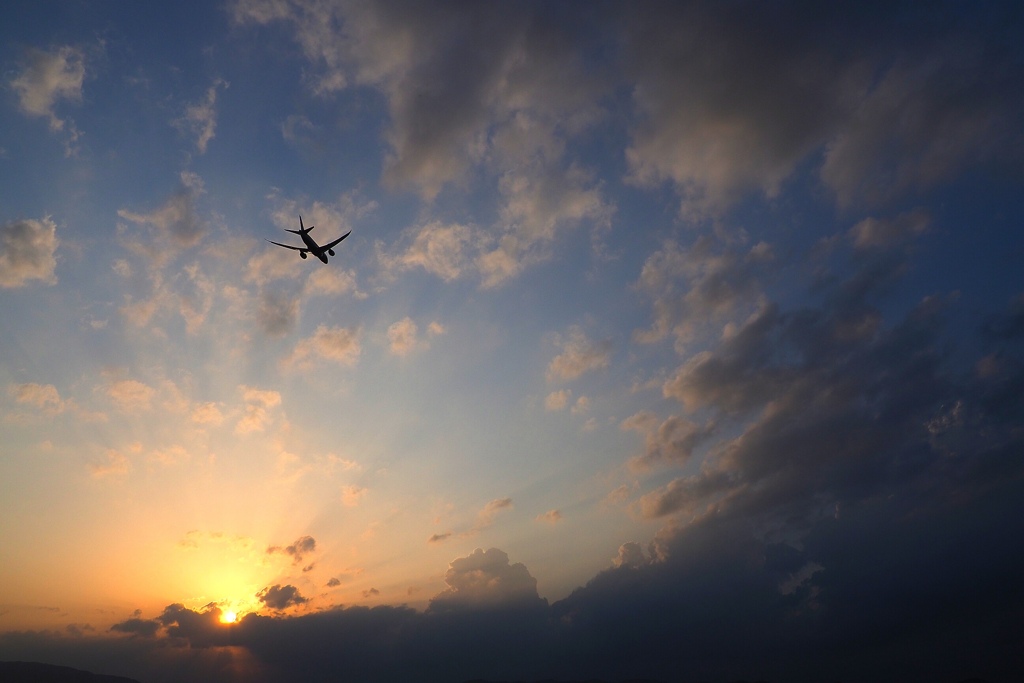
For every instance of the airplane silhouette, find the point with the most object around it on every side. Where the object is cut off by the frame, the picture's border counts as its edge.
(311, 246)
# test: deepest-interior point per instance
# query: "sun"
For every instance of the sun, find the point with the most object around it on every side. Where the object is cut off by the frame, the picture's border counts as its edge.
(228, 617)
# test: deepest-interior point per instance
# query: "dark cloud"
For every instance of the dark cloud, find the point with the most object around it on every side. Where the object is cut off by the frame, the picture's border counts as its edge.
(137, 626)
(278, 597)
(297, 550)
(277, 313)
(27, 252)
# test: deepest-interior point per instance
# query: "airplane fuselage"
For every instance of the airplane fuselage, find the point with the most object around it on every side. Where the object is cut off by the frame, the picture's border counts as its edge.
(314, 248)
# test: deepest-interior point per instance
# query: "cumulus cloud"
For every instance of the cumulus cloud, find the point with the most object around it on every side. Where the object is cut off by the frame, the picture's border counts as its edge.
(631, 554)
(579, 355)
(336, 344)
(27, 252)
(279, 598)
(485, 578)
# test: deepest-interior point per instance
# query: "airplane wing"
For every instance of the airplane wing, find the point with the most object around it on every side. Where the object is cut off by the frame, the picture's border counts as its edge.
(328, 246)
(288, 246)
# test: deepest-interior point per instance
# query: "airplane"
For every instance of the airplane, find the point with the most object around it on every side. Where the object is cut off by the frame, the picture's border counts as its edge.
(311, 246)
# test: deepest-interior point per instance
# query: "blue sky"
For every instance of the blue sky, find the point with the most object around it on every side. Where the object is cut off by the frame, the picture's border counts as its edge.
(670, 340)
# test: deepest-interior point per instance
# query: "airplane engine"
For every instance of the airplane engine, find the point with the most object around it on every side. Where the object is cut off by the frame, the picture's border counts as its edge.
(302, 254)
(330, 252)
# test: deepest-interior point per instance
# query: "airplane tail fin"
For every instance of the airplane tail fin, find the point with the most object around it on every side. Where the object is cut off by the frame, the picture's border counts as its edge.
(302, 229)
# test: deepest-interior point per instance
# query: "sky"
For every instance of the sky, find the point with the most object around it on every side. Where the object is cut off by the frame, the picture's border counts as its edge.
(680, 341)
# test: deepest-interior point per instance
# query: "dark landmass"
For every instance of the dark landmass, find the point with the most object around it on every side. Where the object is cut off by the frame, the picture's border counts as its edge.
(33, 672)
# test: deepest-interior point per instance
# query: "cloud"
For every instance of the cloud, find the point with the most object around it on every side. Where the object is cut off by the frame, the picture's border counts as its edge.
(115, 465)
(44, 397)
(672, 441)
(551, 517)
(48, 78)
(27, 252)
(258, 403)
(297, 550)
(136, 626)
(926, 117)
(279, 598)
(336, 344)
(438, 538)
(131, 396)
(631, 554)
(402, 336)
(207, 414)
(177, 222)
(579, 355)
(720, 123)
(200, 119)
(705, 282)
(557, 400)
(277, 313)
(485, 578)
(351, 495)
(485, 517)
(879, 233)
(333, 282)
(444, 250)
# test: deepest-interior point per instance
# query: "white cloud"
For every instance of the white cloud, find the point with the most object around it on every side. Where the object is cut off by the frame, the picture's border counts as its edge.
(27, 252)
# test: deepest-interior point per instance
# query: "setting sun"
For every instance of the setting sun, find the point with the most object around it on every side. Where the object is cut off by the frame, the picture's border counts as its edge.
(228, 617)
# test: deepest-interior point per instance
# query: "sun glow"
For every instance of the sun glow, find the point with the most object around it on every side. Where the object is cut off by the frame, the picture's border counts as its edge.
(228, 617)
